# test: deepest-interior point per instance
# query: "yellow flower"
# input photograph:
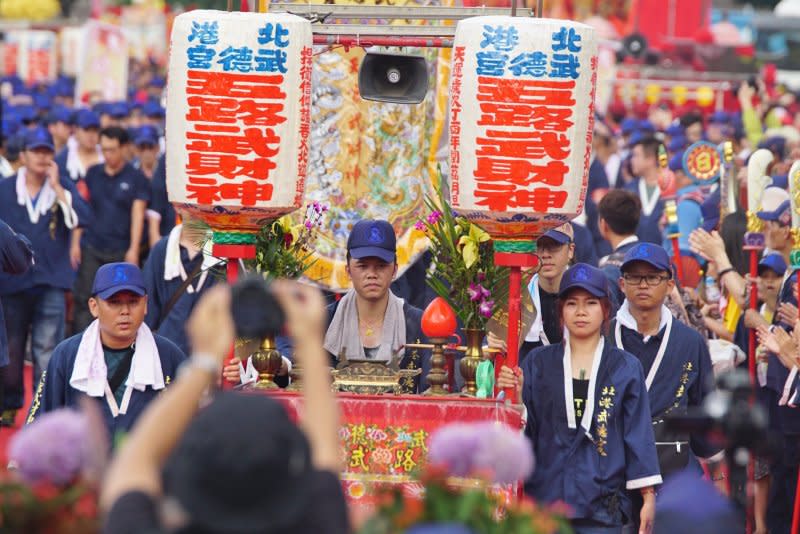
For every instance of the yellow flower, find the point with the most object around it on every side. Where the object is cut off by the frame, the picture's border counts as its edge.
(285, 225)
(470, 243)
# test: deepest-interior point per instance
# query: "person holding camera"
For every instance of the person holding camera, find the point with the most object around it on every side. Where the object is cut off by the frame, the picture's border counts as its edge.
(239, 464)
(117, 359)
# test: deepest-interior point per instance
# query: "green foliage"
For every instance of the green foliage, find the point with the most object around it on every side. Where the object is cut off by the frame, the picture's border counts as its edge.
(463, 256)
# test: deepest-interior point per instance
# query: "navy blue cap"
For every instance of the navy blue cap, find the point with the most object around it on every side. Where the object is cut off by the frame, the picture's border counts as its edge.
(775, 144)
(677, 143)
(691, 505)
(676, 162)
(776, 206)
(26, 113)
(719, 117)
(645, 126)
(781, 180)
(584, 276)
(562, 234)
(773, 261)
(628, 126)
(710, 210)
(59, 114)
(653, 255)
(119, 110)
(158, 81)
(153, 109)
(372, 238)
(39, 138)
(636, 137)
(146, 135)
(674, 130)
(42, 101)
(112, 278)
(87, 119)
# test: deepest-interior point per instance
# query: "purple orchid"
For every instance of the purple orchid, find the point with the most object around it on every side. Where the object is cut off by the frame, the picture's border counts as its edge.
(420, 226)
(475, 292)
(434, 217)
(486, 308)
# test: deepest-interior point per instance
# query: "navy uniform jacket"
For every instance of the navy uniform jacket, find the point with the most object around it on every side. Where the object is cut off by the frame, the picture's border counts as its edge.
(590, 470)
(54, 391)
(649, 230)
(413, 358)
(160, 291)
(683, 379)
(52, 266)
(15, 258)
(788, 419)
(584, 245)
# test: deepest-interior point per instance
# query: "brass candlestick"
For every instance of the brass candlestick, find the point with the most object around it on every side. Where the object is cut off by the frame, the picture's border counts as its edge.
(437, 376)
(473, 356)
(296, 378)
(267, 361)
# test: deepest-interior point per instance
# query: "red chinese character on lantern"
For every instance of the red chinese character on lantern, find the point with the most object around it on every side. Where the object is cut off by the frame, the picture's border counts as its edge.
(234, 85)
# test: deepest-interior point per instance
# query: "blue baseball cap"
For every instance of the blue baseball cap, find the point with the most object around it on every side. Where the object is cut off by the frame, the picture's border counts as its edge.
(26, 113)
(677, 143)
(676, 162)
(87, 119)
(719, 117)
(674, 130)
(653, 255)
(775, 144)
(636, 137)
(145, 135)
(158, 82)
(710, 210)
(584, 276)
(562, 234)
(774, 262)
(59, 114)
(153, 109)
(645, 126)
(39, 138)
(118, 110)
(628, 126)
(776, 206)
(112, 278)
(372, 238)
(780, 180)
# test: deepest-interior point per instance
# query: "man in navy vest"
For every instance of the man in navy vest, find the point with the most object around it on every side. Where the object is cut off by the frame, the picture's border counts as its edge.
(45, 207)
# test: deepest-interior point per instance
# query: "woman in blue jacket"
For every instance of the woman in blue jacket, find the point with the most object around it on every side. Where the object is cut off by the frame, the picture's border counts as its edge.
(588, 415)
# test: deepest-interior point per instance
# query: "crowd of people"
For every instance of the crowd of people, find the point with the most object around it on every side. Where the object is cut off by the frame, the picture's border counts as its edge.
(109, 293)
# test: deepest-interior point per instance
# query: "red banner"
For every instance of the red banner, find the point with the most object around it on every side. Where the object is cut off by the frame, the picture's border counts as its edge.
(384, 438)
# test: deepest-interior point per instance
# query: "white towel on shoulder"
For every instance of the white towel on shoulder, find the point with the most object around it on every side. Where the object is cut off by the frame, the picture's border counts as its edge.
(90, 374)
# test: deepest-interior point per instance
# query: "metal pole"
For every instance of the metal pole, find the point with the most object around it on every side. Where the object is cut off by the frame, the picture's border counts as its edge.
(379, 40)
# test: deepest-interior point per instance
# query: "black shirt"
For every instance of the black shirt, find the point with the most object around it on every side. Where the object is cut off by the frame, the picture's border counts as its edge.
(111, 199)
(580, 390)
(550, 319)
(136, 512)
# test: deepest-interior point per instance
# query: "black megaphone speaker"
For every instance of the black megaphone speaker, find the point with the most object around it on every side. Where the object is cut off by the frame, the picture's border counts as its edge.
(393, 78)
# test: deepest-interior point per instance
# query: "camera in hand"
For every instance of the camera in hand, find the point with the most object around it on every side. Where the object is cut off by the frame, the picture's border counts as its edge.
(257, 314)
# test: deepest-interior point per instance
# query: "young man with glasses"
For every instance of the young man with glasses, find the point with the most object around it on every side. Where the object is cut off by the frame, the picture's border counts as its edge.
(675, 358)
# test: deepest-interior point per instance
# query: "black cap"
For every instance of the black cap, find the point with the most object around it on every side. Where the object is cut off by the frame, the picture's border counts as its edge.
(241, 466)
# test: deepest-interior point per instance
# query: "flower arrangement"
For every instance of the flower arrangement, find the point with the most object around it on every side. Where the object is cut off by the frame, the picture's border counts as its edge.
(463, 256)
(467, 463)
(50, 487)
(283, 249)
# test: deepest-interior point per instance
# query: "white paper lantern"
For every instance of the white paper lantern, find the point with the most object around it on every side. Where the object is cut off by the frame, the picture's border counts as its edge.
(521, 118)
(238, 110)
